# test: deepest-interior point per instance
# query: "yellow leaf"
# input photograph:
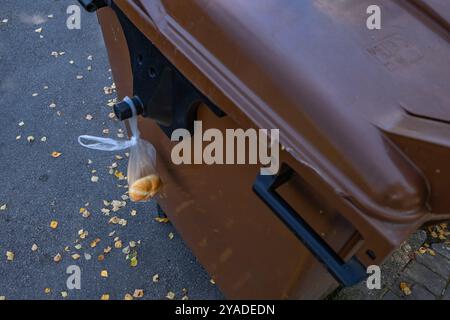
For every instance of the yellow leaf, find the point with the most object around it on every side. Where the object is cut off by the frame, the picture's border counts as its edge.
(47, 290)
(133, 262)
(56, 154)
(53, 224)
(161, 220)
(104, 273)
(118, 244)
(405, 288)
(170, 295)
(128, 297)
(64, 294)
(105, 297)
(9, 255)
(75, 256)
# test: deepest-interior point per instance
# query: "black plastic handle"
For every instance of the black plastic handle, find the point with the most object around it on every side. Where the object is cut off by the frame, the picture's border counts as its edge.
(347, 273)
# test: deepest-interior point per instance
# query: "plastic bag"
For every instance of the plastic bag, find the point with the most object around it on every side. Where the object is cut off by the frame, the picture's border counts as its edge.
(143, 180)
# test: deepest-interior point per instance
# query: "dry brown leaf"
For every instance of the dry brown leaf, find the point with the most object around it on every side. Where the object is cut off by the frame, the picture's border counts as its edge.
(56, 154)
(405, 288)
(138, 293)
(57, 258)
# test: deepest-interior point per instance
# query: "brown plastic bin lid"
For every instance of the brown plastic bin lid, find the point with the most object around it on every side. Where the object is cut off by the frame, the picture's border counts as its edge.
(336, 90)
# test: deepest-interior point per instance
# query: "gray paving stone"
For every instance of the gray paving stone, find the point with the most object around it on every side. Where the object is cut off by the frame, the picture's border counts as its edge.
(420, 293)
(391, 296)
(439, 264)
(442, 248)
(424, 276)
(447, 294)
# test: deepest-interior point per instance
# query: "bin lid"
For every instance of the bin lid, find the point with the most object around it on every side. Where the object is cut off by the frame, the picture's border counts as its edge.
(314, 70)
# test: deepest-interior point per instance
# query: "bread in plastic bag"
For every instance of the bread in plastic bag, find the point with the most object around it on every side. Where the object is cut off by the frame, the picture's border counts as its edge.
(143, 180)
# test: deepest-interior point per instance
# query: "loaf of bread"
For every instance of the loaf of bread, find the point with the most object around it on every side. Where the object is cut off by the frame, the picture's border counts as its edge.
(145, 188)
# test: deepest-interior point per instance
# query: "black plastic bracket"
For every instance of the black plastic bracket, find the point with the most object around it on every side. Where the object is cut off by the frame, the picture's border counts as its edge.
(347, 273)
(167, 96)
(93, 5)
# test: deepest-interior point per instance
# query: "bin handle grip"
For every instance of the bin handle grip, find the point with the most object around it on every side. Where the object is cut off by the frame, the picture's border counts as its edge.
(347, 273)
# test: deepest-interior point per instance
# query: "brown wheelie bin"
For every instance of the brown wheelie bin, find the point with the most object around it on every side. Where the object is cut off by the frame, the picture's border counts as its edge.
(364, 124)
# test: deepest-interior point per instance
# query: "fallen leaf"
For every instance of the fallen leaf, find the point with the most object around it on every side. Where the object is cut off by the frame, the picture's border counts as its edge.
(79, 77)
(105, 297)
(107, 250)
(43, 139)
(75, 256)
(34, 247)
(128, 297)
(101, 257)
(38, 30)
(53, 224)
(89, 117)
(133, 213)
(57, 258)
(21, 124)
(138, 293)
(30, 138)
(104, 273)
(94, 179)
(18, 137)
(64, 294)
(50, 16)
(52, 105)
(118, 244)
(87, 256)
(47, 290)
(95, 242)
(56, 154)
(83, 234)
(2, 298)
(170, 295)
(3, 207)
(155, 278)
(133, 261)
(171, 235)
(212, 281)
(161, 220)
(405, 288)
(9, 255)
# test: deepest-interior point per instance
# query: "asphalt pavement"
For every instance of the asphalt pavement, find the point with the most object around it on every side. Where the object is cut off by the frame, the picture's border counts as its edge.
(52, 89)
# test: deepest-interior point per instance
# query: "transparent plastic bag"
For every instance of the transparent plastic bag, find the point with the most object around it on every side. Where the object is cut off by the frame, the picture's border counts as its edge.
(143, 180)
